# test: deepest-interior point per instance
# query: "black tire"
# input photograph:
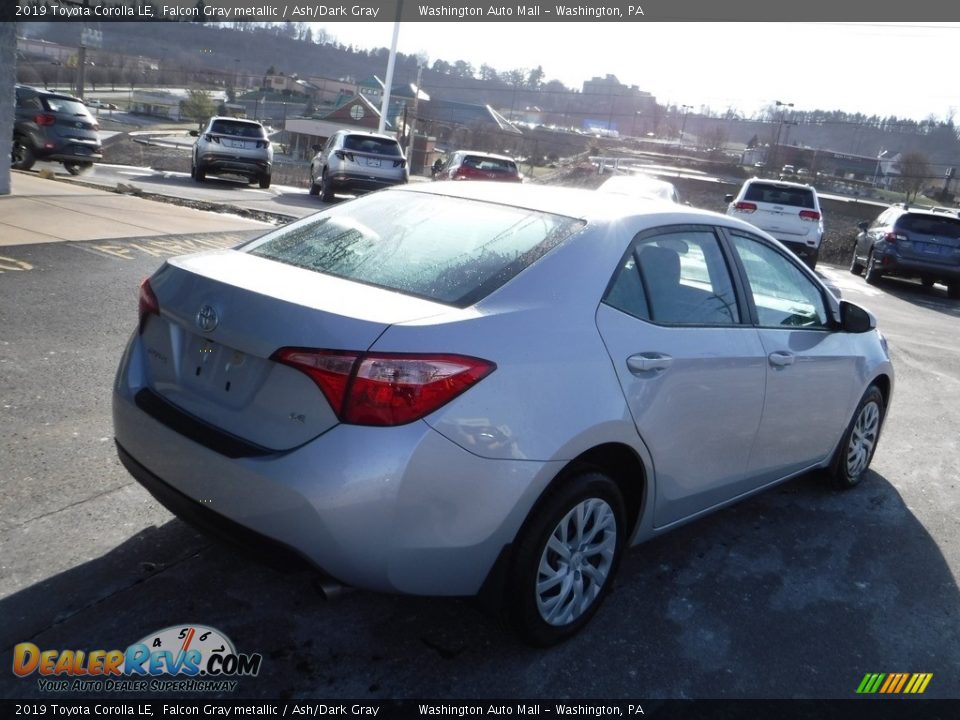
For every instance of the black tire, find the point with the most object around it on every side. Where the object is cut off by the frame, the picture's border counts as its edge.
(873, 271)
(264, 181)
(21, 155)
(75, 167)
(326, 192)
(199, 173)
(314, 185)
(859, 442)
(811, 259)
(525, 602)
(856, 267)
(953, 291)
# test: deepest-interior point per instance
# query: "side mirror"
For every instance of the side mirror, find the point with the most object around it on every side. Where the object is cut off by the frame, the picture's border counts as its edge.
(854, 319)
(863, 226)
(194, 133)
(728, 198)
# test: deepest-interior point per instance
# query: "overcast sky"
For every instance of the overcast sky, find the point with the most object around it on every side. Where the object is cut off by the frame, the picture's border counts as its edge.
(900, 69)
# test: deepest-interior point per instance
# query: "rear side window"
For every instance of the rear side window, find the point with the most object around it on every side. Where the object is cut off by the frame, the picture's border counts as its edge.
(780, 195)
(380, 146)
(676, 278)
(929, 225)
(451, 250)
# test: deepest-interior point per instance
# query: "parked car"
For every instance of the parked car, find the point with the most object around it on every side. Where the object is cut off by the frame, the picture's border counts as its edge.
(787, 210)
(357, 161)
(912, 243)
(478, 388)
(473, 165)
(788, 171)
(55, 127)
(641, 186)
(232, 146)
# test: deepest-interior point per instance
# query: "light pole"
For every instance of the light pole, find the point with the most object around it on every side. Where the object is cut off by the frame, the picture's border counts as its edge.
(776, 145)
(683, 123)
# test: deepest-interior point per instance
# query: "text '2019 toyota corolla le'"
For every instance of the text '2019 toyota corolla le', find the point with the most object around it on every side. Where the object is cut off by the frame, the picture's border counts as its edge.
(458, 387)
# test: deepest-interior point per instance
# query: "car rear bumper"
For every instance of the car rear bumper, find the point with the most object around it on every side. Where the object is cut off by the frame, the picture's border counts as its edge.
(399, 509)
(233, 164)
(347, 182)
(802, 249)
(892, 264)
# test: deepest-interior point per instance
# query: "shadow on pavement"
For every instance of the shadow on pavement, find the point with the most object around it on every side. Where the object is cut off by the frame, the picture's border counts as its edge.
(796, 593)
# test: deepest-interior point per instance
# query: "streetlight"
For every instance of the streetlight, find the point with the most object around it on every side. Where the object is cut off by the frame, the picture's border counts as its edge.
(776, 145)
(683, 123)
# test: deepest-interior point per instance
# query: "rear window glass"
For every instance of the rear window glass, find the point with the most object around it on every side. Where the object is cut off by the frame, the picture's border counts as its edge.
(450, 250)
(380, 146)
(780, 195)
(237, 129)
(927, 225)
(490, 164)
(64, 105)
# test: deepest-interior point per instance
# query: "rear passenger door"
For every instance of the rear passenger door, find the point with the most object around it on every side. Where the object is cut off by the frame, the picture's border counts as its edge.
(692, 371)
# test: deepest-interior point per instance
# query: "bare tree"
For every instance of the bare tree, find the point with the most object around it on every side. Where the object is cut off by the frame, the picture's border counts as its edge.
(914, 170)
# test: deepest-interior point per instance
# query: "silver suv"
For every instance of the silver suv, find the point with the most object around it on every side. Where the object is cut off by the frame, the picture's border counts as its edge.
(356, 161)
(910, 242)
(789, 211)
(231, 146)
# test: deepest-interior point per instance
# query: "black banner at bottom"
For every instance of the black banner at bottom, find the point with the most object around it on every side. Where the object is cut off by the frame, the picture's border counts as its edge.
(865, 709)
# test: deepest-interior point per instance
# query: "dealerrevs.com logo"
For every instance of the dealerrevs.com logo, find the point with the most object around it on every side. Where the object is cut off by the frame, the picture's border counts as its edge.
(180, 658)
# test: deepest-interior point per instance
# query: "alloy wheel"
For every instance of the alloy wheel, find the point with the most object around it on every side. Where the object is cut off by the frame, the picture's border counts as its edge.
(576, 562)
(863, 438)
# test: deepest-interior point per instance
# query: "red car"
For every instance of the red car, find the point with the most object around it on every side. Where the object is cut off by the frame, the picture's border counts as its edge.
(470, 165)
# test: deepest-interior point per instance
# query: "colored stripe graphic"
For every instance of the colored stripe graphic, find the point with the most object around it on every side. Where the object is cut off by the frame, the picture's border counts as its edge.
(894, 683)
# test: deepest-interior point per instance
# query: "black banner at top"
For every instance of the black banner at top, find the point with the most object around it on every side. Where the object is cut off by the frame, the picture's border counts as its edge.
(475, 11)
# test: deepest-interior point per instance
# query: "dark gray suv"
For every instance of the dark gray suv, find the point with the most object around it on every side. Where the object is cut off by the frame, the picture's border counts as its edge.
(913, 243)
(53, 126)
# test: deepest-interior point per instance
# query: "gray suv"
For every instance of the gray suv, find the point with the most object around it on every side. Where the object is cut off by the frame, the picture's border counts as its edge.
(232, 146)
(53, 126)
(357, 161)
(910, 242)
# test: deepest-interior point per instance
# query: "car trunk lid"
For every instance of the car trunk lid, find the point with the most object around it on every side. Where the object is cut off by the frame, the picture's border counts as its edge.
(221, 318)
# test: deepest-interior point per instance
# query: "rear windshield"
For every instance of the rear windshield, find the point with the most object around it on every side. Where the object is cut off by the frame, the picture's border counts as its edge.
(380, 146)
(65, 105)
(780, 195)
(927, 225)
(450, 250)
(490, 164)
(237, 129)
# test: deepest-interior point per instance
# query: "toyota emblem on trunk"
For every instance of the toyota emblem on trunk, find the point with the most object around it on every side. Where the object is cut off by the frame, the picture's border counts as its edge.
(207, 319)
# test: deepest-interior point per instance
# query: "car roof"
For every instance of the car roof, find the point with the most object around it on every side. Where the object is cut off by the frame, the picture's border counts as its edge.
(785, 183)
(583, 204)
(236, 119)
(481, 153)
(366, 133)
(47, 93)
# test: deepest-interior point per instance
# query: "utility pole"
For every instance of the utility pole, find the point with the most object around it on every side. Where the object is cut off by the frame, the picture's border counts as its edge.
(8, 77)
(412, 146)
(388, 83)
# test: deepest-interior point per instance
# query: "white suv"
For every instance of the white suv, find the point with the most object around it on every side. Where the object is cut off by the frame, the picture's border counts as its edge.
(788, 211)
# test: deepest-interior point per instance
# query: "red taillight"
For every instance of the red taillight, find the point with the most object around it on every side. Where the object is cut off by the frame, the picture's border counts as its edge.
(148, 303)
(385, 388)
(44, 119)
(894, 238)
(743, 206)
(811, 215)
(263, 143)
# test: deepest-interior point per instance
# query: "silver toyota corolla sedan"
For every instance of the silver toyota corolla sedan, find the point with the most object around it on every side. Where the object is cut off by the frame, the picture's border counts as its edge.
(480, 388)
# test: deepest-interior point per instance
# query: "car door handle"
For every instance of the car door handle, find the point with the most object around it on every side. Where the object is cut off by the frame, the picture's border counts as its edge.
(647, 361)
(780, 358)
